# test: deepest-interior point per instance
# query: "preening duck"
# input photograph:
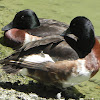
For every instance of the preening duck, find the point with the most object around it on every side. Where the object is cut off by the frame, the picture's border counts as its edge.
(45, 67)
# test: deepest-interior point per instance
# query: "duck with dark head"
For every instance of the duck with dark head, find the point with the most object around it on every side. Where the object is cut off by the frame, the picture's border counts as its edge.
(15, 34)
(26, 24)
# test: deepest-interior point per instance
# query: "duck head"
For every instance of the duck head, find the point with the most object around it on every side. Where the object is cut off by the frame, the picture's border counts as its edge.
(25, 19)
(83, 29)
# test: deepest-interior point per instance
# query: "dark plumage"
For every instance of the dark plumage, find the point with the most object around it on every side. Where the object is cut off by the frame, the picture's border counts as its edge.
(25, 19)
(48, 27)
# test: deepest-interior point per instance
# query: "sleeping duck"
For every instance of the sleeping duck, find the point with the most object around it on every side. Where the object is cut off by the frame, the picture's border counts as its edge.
(26, 22)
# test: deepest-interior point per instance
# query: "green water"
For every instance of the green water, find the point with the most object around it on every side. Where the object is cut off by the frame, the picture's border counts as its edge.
(61, 10)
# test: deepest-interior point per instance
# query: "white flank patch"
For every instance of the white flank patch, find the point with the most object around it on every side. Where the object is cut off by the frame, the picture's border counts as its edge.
(38, 58)
(30, 38)
(27, 39)
(24, 71)
(82, 74)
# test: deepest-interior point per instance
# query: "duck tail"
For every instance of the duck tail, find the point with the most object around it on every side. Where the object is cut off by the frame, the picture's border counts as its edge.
(9, 68)
(6, 60)
(15, 66)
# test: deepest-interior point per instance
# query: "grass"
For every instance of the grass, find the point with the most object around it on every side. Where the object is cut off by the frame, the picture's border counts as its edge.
(61, 10)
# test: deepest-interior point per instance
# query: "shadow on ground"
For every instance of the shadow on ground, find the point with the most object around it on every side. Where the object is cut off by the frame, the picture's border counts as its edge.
(2, 40)
(41, 90)
(3, 43)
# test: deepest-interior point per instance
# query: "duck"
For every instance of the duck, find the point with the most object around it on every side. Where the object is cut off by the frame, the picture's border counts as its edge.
(36, 61)
(28, 21)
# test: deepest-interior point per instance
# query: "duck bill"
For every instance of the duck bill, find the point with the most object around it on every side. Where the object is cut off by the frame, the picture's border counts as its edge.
(8, 27)
(65, 33)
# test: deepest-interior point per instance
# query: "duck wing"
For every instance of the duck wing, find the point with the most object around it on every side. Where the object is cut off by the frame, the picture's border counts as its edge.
(33, 48)
(48, 27)
(55, 46)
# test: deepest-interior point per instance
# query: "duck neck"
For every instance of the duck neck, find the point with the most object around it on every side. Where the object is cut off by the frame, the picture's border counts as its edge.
(82, 46)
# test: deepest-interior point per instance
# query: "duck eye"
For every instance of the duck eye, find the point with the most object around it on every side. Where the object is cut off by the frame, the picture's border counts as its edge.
(22, 17)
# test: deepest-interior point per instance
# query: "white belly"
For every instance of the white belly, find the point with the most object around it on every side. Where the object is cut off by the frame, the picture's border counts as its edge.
(74, 80)
(78, 75)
